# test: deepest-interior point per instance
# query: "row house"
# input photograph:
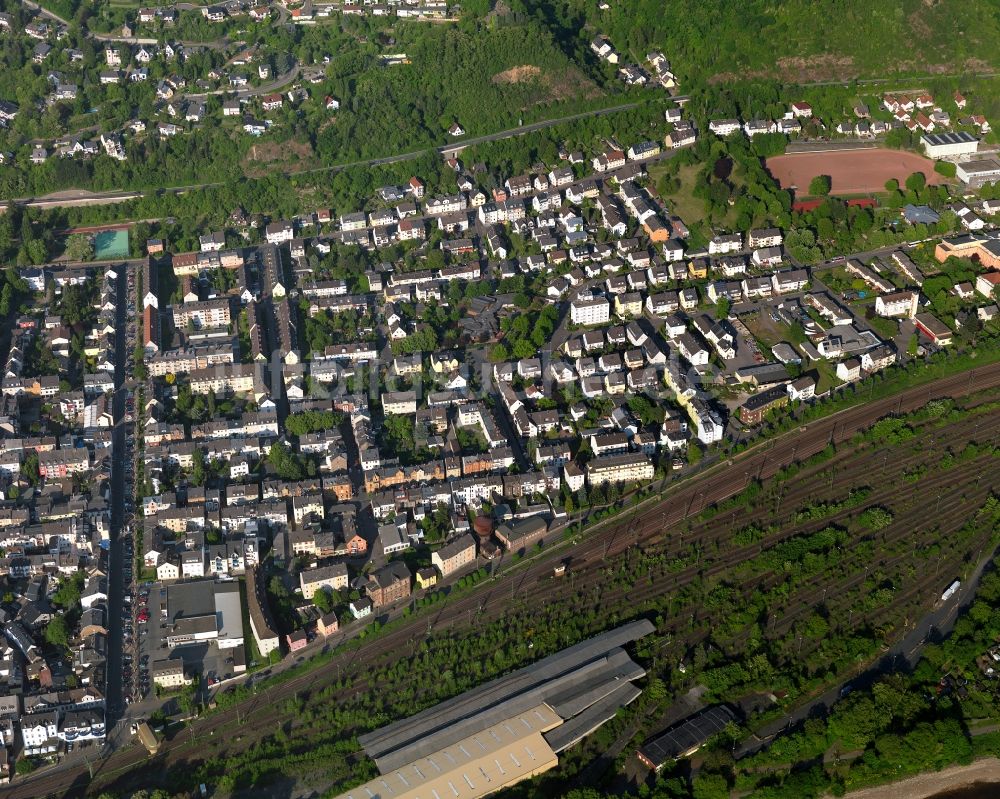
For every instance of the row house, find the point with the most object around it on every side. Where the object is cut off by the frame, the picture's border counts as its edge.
(63, 462)
(235, 378)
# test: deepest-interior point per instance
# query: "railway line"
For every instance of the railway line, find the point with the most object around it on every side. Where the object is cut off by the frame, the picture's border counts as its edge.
(818, 588)
(131, 767)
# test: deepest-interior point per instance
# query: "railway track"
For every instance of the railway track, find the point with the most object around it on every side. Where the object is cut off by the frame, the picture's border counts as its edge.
(605, 540)
(788, 527)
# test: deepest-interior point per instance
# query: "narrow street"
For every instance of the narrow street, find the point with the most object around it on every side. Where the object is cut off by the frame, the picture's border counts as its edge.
(115, 694)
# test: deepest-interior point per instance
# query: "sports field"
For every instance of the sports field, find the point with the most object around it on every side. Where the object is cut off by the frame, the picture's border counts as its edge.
(850, 171)
(111, 244)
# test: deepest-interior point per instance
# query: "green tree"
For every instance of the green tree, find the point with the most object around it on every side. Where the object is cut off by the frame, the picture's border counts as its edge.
(299, 424)
(569, 506)
(198, 467)
(6, 230)
(186, 701)
(820, 185)
(25, 765)
(68, 594)
(916, 182)
(323, 600)
(6, 299)
(57, 632)
(722, 308)
(29, 469)
(710, 786)
(875, 518)
(892, 185)
(946, 168)
(79, 247)
(286, 463)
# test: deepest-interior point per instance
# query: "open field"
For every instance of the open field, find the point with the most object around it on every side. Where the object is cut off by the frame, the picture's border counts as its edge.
(851, 171)
(665, 560)
(684, 204)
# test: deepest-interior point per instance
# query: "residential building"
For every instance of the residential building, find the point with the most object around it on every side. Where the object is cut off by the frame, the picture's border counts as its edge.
(595, 311)
(332, 577)
(626, 468)
(455, 555)
(388, 584)
(900, 303)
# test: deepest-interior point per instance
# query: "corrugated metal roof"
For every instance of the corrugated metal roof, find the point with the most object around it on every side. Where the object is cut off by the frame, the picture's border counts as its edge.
(398, 734)
(480, 764)
(577, 728)
(455, 729)
(688, 735)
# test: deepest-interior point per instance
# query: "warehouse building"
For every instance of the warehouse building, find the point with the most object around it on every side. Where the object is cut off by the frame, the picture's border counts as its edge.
(506, 730)
(203, 611)
(937, 331)
(979, 172)
(502, 755)
(686, 738)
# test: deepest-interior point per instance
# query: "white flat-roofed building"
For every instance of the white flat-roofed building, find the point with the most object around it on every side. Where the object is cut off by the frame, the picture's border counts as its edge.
(764, 237)
(721, 245)
(952, 144)
(596, 311)
(978, 172)
(724, 127)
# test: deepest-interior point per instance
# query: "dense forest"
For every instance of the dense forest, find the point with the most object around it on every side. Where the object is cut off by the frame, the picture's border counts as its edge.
(799, 40)
(484, 78)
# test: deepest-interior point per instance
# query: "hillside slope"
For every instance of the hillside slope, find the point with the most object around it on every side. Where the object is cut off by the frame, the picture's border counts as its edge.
(799, 40)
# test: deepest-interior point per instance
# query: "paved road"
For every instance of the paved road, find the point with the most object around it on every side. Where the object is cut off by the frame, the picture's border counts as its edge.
(534, 126)
(83, 197)
(609, 537)
(44, 12)
(244, 94)
(116, 583)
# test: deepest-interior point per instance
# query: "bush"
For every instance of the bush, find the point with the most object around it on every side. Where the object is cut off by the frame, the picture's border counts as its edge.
(25, 766)
(875, 518)
(946, 168)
